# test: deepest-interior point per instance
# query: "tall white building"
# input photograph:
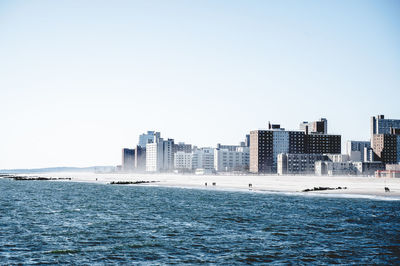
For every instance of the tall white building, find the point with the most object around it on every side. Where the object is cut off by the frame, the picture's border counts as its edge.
(159, 154)
(154, 156)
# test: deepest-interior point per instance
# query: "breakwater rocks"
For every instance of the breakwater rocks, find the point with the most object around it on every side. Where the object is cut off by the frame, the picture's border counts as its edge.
(131, 182)
(322, 189)
(32, 178)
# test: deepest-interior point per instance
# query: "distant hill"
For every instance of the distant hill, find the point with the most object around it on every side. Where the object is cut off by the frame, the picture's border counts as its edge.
(59, 169)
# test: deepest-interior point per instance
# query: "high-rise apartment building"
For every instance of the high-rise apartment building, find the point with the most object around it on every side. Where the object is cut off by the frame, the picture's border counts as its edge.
(128, 159)
(140, 158)
(154, 156)
(261, 153)
(385, 139)
(385, 148)
(265, 145)
(168, 156)
(148, 137)
(322, 143)
(159, 154)
(380, 125)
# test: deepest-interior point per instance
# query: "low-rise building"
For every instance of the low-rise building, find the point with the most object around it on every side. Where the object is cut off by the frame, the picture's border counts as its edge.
(392, 170)
(347, 168)
(334, 168)
(367, 168)
(289, 164)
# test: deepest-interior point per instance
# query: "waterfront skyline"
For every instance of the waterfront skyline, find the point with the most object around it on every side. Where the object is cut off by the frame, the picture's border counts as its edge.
(81, 80)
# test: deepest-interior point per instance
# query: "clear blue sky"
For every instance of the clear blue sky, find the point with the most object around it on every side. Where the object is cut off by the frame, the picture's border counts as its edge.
(79, 80)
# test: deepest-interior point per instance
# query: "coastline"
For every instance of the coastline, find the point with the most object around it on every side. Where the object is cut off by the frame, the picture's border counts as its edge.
(356, 187)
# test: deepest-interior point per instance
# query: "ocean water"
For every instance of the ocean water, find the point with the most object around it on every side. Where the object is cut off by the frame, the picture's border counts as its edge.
(81, 223)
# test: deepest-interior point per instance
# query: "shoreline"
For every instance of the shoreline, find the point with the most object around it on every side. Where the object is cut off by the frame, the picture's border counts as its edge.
(356, 187)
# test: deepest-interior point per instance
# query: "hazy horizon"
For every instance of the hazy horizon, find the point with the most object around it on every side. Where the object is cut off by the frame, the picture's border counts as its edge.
(81, 80)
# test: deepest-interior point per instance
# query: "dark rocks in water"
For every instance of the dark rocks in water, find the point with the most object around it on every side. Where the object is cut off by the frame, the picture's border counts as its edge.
(34, 178)
(131, 182)
(322, 189)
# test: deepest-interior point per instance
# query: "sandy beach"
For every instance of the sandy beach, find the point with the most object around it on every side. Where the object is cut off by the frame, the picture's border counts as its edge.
(355, 186)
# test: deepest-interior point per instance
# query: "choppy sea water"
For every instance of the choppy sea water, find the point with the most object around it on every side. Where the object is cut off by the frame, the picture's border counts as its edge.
(81, 223)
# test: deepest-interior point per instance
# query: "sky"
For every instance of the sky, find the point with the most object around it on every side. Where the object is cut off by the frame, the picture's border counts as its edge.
(80, 80)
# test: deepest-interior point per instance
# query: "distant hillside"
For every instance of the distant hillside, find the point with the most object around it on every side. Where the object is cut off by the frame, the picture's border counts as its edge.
(60, 169)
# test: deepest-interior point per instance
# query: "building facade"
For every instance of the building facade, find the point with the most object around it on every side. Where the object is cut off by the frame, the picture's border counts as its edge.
(289, 164)
(168, 155)
(347, 168)
(334, 168)
(203, 158)
(183, 160)
(385, 148)
(154, 156)
(322, 144)
(261, 153)
(226, 160)
(320, 126)
(148, 137)
(380, 125)
(357, 150)
(265, 145)
(247, 140)
(181, 146)
(128, 160)
(159, 155)
(338, 158)
(227, 147)
(367, 168)
(140, 158)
